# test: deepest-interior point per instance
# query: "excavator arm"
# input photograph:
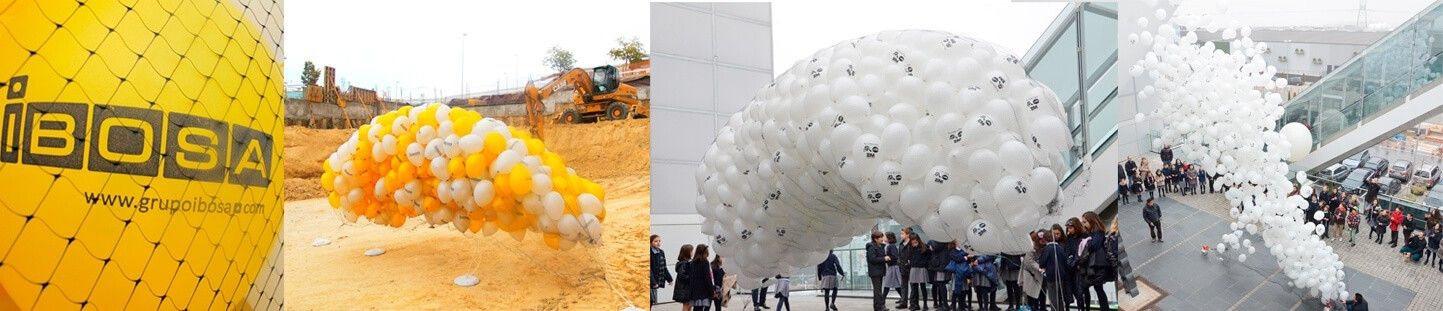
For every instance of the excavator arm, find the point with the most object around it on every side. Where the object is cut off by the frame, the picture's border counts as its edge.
(577, 78)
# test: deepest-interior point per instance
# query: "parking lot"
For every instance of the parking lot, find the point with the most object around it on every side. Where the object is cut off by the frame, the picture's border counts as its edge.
(1408, 169)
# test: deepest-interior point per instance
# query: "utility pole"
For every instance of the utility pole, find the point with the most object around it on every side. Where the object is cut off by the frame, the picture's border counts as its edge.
(463, 64)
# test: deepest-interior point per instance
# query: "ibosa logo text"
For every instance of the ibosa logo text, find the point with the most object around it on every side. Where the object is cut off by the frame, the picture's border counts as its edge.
(132, 141)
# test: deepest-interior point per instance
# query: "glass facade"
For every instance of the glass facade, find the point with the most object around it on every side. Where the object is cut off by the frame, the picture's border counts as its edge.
(1077, 58)
(1380, 78)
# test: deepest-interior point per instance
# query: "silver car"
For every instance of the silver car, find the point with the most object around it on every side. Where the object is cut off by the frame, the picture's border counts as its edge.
(1426, 175)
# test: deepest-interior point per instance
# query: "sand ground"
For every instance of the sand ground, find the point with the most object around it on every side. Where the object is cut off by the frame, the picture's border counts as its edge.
(420, 262)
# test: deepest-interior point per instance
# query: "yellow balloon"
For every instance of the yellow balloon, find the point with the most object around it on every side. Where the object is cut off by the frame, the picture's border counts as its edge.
(534, 147)
(494, 143)
(328, 180)
(457, 167)
(476, 165)
(520, 180)
(594, 189)
(334, 199)
(428, 116)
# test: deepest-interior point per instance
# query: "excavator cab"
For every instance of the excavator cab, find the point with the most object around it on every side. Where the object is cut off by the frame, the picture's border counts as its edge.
(605, 79)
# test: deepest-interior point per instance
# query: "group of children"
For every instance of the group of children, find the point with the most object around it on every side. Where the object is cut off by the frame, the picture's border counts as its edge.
(1136, 178)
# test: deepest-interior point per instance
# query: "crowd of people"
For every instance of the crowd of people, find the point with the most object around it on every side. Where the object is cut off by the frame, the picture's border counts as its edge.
(1344, 214)
(1171, 176)
(1067, 267)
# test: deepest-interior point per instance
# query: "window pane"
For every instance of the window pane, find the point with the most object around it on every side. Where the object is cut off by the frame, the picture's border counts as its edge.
(1099, 38)
(1057, 67)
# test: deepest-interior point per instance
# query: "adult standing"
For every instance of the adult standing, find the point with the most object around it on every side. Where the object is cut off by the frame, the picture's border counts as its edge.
(1075, 234)
(1353, 220)
(1395, 221)
(827, 273)
(1166, 154)
(877, 269)
(1382, 220)
(703, 285)
(719, 299)
(1100, 270)
(681, 289)
(1131, 167)
(1203, 185)
(1152, 215)
(1435, 235)
(1371, 188)
(759, 297)
(659, 275)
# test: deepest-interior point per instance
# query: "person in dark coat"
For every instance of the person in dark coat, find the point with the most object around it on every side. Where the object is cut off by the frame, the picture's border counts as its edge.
(717, 274)
(1358, 303)
(827, 274)
(703, 282)
(1074, 235)
(1131, 169)
(904, 264)
(681, 289)
(918, 259)
(985, 281)
(1152, 215)
(876, 269)
(1102, 272)
(1054, 269)
(659, 275)
(1166, 154)
(937, 269)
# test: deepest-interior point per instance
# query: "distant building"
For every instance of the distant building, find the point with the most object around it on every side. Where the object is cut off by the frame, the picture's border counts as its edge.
(1302, 55)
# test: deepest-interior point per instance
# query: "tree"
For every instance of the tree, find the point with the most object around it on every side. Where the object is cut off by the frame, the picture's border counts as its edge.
(629, 51)
(309, 74)
(559, 59)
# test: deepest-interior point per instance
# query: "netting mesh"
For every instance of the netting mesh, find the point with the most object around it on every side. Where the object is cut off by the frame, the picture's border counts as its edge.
(140, 161)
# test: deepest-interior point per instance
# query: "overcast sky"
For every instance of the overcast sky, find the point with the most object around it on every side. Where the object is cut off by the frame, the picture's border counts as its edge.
(1322, 13)
(800, 28)
(417, 43)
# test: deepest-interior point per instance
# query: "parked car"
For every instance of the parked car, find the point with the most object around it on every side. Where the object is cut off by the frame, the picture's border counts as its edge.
(1434, 197)
(1357, 160)
(1401, 170)
(1354, 182)
(1389, 186)
(1426, 175)
(1378, 165)
(1337, 171)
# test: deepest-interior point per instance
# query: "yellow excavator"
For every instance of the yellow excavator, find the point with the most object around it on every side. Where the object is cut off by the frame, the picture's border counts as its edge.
(599, 95)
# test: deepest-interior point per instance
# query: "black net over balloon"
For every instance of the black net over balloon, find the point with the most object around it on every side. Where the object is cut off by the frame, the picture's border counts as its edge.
(140, 154)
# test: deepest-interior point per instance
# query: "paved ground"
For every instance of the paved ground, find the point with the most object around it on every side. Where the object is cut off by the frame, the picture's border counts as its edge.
(1197, 282)
(812, 301)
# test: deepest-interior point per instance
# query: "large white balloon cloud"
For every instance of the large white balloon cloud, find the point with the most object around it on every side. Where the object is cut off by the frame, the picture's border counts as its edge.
(924, 127)
(1219, 110)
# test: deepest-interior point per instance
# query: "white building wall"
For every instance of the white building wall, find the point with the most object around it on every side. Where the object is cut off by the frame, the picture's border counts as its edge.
(707, 61)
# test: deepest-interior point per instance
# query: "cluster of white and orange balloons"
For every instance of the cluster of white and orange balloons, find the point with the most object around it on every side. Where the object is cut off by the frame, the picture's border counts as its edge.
(452, 165)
